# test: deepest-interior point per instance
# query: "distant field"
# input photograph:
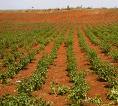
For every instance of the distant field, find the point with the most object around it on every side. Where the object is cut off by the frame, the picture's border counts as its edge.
(59, 57)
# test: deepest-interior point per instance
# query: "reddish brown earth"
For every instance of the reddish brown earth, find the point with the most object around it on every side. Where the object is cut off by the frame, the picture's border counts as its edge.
(96, 88)
(97, 16)
(57, 73)
(25, 73)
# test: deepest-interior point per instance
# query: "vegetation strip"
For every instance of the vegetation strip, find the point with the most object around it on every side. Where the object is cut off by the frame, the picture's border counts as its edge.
(40, 72)
(104, 70)
(108, 33)
(13, 70)
(38, 78)
(15, 45)
(78, 93)
(105, 46)
(22, 100)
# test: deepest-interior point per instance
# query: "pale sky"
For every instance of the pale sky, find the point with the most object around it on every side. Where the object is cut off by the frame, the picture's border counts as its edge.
(45, 4)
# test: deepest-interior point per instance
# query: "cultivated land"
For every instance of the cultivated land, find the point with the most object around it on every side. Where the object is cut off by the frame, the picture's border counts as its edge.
(59, 58)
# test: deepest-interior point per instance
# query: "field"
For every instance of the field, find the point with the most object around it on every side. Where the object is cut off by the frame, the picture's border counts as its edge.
(59, 58)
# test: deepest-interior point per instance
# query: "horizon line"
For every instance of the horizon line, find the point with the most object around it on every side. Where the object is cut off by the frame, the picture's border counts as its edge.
(78, 7)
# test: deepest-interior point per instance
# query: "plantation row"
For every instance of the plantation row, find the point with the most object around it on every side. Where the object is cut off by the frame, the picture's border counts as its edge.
(108, 33)
(35, 81)
(103, 69)
(13, 69)
(77, 94)
(16, 45)
(107, 38)
(27, 86)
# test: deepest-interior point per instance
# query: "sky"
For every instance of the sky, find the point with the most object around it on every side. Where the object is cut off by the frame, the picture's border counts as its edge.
(47, 4)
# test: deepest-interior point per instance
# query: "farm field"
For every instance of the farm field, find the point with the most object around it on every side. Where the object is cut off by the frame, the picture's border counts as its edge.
(59, 58)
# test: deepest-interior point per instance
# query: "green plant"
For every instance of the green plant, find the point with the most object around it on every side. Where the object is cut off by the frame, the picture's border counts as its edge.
(113, 94)
(13, 69)
(52, 88)
(114, 55)
(97, 100)
(105, 47)
(78, 92)
(61, 89)
(22, 100)
(103, 69)
(38, 78)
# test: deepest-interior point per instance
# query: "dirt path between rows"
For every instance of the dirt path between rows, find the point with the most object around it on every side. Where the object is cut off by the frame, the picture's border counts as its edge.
(96, 87)
(57, 73)
(25, 73)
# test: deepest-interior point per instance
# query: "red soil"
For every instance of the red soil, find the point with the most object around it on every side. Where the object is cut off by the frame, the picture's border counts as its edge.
(57, 73)
(10, 89)
(74, 16)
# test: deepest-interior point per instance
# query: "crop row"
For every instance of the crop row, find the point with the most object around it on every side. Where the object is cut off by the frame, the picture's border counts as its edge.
(104, 70)
(22, 100)
(20, 44)
(14, 69)
(107, 32)
(35, 81)
(79, 90)
(77, 94)
(104, 44)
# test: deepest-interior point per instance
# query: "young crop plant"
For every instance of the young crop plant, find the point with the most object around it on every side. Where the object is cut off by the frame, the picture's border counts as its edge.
(114, 55)
(62, 90)
(52, 88)
(58, 89)
(22, 100)
(78, 93)
(113, 94)
(97, 100)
